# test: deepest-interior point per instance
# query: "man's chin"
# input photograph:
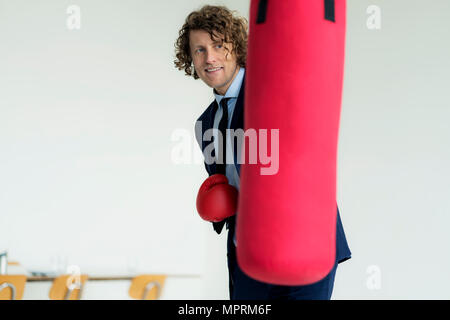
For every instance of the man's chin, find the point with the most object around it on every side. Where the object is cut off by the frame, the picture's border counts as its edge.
(215, 86)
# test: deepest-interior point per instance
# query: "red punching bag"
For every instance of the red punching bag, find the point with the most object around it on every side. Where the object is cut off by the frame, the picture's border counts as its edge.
(286, 222)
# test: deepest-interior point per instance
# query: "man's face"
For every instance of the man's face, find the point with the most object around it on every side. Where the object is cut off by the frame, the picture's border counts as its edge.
(216, 66)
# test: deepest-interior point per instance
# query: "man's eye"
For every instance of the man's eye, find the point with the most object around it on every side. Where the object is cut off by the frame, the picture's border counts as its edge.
(199, 50)
(219, 46)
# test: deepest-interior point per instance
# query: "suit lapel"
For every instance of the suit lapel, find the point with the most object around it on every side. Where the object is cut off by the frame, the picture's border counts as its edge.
(237, 122)
(206, 126)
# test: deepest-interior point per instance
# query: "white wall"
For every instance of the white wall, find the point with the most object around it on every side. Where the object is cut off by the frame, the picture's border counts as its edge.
(86, 124)
(393, 179)
(86, 118)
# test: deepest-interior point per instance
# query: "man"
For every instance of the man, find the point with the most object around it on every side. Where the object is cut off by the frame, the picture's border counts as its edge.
(212, 46)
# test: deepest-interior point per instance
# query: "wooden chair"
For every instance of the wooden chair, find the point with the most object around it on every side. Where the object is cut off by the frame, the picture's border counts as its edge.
(147, 287)
(67, 287)
(12, 286)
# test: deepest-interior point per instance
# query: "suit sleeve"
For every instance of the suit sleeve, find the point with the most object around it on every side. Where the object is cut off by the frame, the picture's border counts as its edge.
(198, 138)
(218, 226)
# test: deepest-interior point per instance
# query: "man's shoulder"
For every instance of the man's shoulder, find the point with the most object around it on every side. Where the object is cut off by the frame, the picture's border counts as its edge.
(202, 123)
(206, 113)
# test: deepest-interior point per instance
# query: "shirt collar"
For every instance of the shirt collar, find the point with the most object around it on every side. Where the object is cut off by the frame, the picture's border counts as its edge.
(233, 90)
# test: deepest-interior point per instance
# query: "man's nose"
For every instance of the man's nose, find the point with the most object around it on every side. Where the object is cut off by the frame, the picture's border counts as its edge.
(210, 56)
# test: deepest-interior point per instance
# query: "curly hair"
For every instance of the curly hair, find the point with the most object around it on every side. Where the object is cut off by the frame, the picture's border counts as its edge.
(214, 20)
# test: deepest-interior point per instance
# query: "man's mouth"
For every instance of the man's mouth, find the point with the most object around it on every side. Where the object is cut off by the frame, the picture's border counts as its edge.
(212, 70)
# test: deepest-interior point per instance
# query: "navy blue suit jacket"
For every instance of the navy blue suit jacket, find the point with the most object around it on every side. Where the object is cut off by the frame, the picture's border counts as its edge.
(237, 122)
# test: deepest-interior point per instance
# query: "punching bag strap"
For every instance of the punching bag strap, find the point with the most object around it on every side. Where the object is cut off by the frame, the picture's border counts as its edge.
(329, 10)
(262, 9)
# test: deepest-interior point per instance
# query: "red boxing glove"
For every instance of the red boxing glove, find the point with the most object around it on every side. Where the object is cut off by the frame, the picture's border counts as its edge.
(216, 199)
